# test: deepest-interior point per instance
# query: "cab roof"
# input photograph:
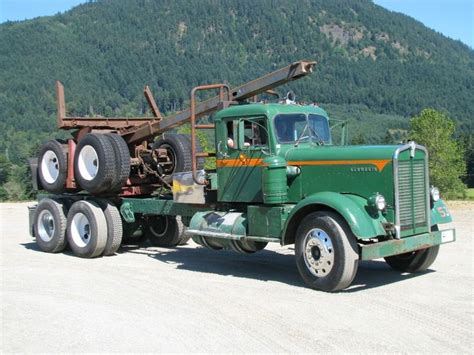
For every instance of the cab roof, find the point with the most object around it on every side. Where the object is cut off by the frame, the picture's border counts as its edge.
(270, 110)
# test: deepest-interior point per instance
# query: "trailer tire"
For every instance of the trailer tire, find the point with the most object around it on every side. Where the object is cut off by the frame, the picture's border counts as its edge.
(114, 227)
(122, 158)
(95, 166)
(178, 147)
(86, 229)
(326, 252)
(163, 231)
(52, 166)
(49, 225)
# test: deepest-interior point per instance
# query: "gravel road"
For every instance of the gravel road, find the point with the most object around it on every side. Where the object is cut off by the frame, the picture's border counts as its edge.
(190, 299)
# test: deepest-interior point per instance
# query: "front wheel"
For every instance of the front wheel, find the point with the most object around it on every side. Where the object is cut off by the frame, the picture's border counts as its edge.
(415, 261)
(326, 252)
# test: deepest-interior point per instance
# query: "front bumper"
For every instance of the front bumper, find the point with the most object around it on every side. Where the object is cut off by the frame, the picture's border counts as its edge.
(405, 245)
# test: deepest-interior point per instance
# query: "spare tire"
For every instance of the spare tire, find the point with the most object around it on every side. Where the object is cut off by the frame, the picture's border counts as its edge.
(95, 165)
(178, 147)
(52, 166)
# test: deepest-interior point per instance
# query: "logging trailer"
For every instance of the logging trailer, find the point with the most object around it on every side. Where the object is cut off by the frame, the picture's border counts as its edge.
(278, 178)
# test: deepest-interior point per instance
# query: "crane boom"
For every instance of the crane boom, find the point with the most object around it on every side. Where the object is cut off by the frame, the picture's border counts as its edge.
(279, 77)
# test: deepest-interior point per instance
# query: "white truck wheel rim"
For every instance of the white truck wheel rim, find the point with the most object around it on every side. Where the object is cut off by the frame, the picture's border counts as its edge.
(46, 225)
(80, 230)
(50, 167)
(88, 163)
(318, 252)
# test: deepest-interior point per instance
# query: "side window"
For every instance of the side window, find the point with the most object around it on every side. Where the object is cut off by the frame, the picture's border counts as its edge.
(255, 133)
(231, 135)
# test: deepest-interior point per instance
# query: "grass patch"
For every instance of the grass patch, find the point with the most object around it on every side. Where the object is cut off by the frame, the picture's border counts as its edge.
(470, 194)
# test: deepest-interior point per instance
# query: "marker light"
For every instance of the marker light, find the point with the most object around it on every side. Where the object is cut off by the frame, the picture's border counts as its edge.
(434, 192)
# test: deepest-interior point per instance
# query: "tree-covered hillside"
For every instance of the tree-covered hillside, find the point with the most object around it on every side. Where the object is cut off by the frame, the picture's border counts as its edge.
(371, 61)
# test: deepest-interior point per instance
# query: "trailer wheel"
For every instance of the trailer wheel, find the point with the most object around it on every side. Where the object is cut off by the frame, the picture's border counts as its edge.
(95, 166)
(114, 226)
(178, 147)
(52, 166)
(49, 225)
(122, 158)
(163, 231)
(86, 229)
(326, 252)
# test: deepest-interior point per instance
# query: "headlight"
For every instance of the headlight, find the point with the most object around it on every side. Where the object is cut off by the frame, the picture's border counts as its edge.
(434, 192)
(380, 202)
(377, 201)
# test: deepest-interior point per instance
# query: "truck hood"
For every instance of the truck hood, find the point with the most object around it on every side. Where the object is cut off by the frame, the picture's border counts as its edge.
(378, 153)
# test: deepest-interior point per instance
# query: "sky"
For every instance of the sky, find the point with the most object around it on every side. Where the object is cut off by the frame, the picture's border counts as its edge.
(453, 18)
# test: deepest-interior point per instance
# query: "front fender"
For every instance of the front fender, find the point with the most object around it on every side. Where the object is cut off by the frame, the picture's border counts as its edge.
(352, 208)
(440, 213)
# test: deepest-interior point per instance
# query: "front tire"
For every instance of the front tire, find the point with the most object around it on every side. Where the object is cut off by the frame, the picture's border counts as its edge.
(415, 261)
(86, 229)
(326, 252)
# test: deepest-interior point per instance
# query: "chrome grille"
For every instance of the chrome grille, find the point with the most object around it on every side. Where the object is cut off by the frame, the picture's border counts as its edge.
(412, 194)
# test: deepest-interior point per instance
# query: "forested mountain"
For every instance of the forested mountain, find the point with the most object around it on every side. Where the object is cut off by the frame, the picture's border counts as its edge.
(374, 65)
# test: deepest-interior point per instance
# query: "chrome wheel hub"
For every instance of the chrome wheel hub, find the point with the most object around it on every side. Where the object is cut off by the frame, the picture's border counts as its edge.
(46, 226)
(318, 252)
(88, 163)
(50, 166)
(80, 230)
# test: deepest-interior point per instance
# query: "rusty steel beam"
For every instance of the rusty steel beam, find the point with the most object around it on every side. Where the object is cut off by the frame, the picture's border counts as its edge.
(112, 123)
(267, 82)
(151, 101)
(65, 122)
(60, 103)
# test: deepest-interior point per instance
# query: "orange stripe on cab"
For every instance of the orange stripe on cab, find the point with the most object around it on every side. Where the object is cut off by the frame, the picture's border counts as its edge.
(380, 164)
(236, 163)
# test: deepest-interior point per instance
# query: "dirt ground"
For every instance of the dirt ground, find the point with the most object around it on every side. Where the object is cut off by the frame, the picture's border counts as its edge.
(190, 299)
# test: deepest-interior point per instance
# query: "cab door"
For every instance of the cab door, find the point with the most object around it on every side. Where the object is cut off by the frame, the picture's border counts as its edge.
(240, 152)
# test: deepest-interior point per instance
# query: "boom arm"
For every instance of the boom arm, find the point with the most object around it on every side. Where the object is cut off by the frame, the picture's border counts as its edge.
(245, 91)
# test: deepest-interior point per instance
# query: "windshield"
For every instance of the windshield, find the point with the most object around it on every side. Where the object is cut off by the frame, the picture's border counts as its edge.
(299, 127)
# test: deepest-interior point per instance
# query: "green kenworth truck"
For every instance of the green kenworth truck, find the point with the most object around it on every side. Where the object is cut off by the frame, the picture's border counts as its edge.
(277, 176)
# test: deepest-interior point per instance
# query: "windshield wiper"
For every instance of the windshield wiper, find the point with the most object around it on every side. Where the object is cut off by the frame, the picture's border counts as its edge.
(313, 131)
(301, 135)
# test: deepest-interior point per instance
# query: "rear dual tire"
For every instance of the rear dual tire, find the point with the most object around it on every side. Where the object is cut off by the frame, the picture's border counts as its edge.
(86, 229)
(49, 226)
